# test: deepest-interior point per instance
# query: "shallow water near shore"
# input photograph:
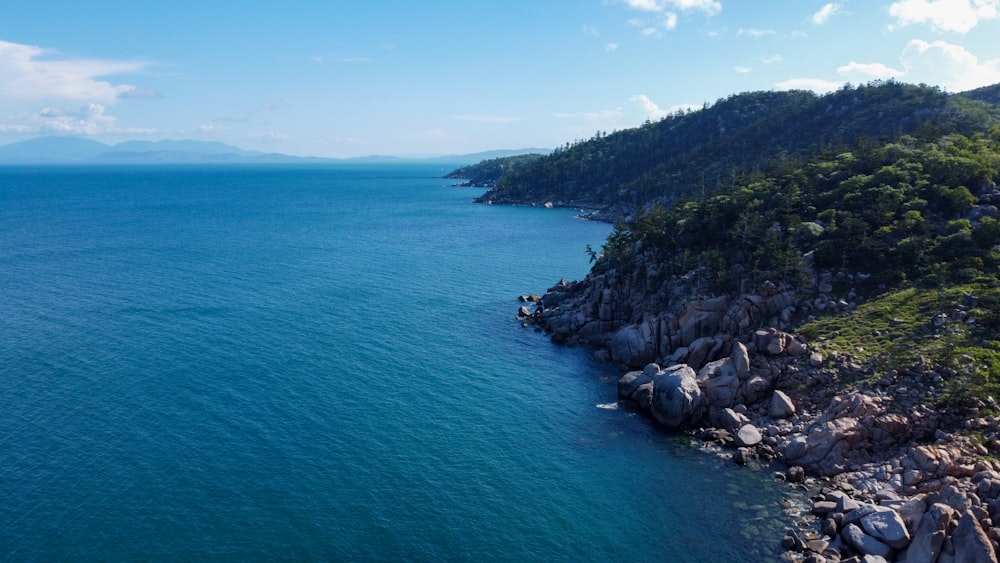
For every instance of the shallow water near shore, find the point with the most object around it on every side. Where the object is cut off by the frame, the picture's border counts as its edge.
(321, 362)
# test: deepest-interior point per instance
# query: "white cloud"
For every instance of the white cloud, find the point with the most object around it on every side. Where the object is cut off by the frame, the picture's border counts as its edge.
(862, 72)
(824, 14)
(773, 59)
(89, 120)
(815, 84)
(939, 63)
(667, 21)
(743, 69)
(607, 114)
(710, 7)
(590, 30)
(652, 110)
(750, 32)
(948, 65)
(645, 5)
(269, 137)
(211, 129)
(666, 11)
(611, 47)
(947, 15)
(29, 73)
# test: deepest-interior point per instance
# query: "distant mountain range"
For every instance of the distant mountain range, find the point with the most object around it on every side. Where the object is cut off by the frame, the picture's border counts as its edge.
(76, 150)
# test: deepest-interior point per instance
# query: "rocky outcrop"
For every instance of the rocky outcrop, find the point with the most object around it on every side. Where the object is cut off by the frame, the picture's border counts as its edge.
(898, 483)
(635, 328)
(898, 487)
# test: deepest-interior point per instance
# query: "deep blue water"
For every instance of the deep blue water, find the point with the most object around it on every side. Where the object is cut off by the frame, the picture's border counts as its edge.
(321, 363)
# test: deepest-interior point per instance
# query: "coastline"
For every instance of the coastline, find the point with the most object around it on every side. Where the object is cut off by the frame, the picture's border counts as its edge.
(890, 477)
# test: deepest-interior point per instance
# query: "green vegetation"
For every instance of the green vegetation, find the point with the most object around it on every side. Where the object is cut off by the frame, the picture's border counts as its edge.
(897, 330)
(903, 220)
(898, 213)
(487, 172)
(886, 189)
(701, 151)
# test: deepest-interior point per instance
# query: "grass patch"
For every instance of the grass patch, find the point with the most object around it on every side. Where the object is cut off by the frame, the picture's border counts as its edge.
(897, 331)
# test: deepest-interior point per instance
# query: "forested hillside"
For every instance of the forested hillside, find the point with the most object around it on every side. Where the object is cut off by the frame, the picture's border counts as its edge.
(757, 132)
(890, 186)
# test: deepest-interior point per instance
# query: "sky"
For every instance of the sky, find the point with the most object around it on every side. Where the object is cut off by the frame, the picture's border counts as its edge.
(343, 78)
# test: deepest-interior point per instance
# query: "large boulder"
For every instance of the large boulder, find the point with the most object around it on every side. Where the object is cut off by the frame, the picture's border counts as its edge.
(829, 447)
(630, 382)
(972, 545)
(741, 360)
(634, 345)
(837, 439)
(720, 382)
(705, 350)
(854, 536)
(676, 396)
(887, 526)
(929, 536)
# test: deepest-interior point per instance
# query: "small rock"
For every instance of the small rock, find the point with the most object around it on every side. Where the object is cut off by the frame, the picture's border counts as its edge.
(747, 436)
(815, 359)
(781, 405)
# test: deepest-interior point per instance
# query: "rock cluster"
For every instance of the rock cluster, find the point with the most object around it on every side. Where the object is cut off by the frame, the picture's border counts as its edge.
(954, 523)
(897, 485)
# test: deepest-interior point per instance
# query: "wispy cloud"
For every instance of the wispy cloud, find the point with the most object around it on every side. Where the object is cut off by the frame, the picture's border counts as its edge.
(269, 137)
(772, 59)
(645, 5)
(486, 118)
(611, 47)
(751, 32)
(592, 116)
(340, 59)
(825, 13)
(34, 74)
(662, 22)
(666, 13)
(958, 16)
(710, 7)
(743, 69)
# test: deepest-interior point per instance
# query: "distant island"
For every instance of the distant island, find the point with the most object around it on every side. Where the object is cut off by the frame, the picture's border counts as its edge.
(77, 150)
(810, 280)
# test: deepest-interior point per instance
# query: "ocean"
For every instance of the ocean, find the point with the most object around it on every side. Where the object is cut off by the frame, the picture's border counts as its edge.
(321, 363)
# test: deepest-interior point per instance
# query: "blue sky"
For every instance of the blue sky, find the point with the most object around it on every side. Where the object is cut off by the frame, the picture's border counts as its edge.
(345, 78)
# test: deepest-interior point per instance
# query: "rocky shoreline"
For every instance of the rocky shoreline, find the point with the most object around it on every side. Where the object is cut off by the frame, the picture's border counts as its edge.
(894, 479)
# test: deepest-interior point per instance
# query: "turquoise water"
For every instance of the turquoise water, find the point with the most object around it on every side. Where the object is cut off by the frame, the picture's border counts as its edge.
(321, 363)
